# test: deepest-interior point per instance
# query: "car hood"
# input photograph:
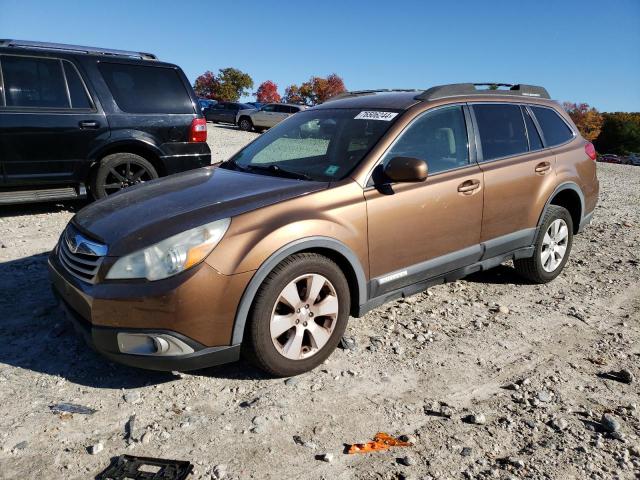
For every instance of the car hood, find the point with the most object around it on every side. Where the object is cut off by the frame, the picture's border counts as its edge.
(145, 214)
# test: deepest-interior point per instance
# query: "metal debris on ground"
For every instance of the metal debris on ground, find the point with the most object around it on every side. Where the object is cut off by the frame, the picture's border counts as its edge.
(128, 467)
(382, 441)
(61, 408)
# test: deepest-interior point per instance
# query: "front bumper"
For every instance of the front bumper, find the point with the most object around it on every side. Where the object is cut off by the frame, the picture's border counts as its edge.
(100, 319)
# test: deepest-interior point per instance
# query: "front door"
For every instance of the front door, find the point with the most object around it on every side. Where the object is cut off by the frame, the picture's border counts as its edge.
(422, 230)
(49, 122)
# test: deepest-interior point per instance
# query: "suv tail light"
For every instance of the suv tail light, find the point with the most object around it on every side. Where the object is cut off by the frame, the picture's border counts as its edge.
(198, 130)
(589, 149)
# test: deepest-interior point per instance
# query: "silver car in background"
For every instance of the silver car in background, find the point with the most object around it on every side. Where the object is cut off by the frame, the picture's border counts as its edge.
(269, 115)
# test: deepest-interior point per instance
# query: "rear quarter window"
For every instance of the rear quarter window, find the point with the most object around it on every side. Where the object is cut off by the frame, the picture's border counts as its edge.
(146, 89)
(554, 129)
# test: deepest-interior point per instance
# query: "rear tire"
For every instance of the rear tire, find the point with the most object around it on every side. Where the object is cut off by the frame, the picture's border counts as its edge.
(121, 170)
(284, 339)
(552, 247)
(245, 124)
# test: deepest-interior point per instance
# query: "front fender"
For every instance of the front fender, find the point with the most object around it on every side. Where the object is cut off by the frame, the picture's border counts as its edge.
(308, 243)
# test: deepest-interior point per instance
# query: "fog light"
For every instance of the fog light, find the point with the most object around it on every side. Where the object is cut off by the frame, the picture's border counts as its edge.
(157, 344)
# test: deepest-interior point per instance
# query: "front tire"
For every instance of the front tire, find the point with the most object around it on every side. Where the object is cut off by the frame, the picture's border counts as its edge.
(298, 315)
(552, 247)
(121, 170)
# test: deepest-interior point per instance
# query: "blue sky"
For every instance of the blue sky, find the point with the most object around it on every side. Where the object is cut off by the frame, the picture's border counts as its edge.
(581, 50)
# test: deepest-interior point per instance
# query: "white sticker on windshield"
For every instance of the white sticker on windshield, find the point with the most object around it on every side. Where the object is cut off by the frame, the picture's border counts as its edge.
(371, 115)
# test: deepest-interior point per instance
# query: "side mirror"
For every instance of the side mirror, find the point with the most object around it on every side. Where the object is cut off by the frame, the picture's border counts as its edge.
(406, 169)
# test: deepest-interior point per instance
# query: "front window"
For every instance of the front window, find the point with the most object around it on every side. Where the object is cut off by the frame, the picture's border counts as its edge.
(320, 145)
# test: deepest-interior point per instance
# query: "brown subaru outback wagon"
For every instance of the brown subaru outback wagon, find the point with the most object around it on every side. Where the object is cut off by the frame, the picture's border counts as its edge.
(340, 208)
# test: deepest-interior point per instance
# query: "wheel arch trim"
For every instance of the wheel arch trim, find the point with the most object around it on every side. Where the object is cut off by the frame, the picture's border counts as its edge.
(308, 243)
(562, 187)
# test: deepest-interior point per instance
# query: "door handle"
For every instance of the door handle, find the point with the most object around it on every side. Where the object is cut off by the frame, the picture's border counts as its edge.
(469, 186)
(89, 124)
(543, 167)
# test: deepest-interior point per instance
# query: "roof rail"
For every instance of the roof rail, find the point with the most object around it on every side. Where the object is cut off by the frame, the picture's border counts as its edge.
(460, 89)
(355, 93)
(75, 48)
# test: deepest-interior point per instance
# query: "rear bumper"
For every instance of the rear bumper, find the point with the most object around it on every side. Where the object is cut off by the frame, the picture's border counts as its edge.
(181, 156)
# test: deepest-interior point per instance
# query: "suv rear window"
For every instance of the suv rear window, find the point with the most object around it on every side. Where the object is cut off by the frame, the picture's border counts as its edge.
(146, 89)
(554, 129)
(34, 82)
(501, 129)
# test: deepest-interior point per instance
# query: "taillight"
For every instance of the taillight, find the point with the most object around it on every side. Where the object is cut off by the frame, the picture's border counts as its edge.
(589, 149)
(198, 131)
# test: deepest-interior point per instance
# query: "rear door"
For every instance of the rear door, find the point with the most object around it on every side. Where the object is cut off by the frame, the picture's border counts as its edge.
(281, 112)
(215, 113)
(50, 121)
(518, 173)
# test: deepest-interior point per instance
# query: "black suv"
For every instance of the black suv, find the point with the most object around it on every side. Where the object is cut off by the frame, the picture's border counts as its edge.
(74, 117)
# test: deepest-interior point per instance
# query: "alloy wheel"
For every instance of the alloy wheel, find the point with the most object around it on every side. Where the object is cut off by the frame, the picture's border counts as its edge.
(554, 245)
(125, 175)
(304, 316)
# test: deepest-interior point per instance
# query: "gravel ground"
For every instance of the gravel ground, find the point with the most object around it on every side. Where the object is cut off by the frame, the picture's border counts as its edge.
(490, 377)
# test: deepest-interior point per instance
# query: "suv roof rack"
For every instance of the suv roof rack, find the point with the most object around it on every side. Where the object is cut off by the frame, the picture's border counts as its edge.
(460, 89)
(355, 93)
(75, 48)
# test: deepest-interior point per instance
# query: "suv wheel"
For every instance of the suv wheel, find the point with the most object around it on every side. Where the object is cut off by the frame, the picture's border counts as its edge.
(298, 316)
(552, 247)
(121, 170)
(245, 124)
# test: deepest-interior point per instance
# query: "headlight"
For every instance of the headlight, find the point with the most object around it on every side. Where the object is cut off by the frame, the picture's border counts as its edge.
(171, 256)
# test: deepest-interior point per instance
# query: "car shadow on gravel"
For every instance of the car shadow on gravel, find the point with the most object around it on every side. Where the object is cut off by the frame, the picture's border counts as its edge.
(500, 275)
(71, 206)
(35, 335)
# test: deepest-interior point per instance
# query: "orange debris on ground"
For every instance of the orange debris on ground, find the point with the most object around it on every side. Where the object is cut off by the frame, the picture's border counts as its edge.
(382, 441)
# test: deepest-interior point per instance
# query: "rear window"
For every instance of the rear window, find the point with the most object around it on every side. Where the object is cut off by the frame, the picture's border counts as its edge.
(554, 129)
(146, 89)
(502, 131)
(34, 82)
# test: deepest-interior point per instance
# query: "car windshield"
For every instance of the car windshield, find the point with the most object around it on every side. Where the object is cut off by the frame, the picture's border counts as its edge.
(321, 145)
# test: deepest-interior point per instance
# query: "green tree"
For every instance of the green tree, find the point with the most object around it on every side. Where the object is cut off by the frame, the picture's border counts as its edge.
(620, 133)
(233, 84)
(227, 86)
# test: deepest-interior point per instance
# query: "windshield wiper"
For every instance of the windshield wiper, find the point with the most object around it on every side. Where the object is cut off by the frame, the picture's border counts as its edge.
(277, 171)
(232, 165)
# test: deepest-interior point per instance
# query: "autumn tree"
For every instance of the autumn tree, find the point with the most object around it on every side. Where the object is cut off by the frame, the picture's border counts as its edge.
(316, 90)
(268, 92)
(206, 85)
(587, 119)
(292, 94)
(227, 86)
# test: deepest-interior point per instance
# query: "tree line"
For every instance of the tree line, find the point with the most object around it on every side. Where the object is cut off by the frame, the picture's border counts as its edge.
(616, 132)
(229, 84)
